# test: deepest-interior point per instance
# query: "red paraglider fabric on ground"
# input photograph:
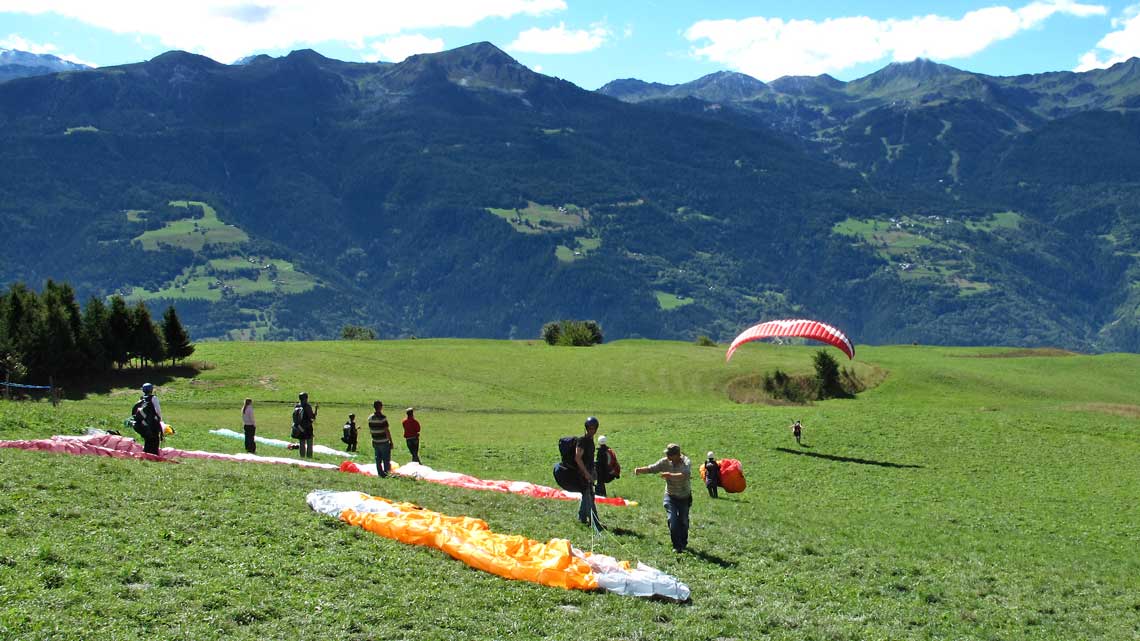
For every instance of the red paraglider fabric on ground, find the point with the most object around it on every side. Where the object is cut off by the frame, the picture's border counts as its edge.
(731, 475)
(455, 479)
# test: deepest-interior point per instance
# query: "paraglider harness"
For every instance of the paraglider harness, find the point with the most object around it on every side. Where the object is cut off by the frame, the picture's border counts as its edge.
(298, 420)
(144, 418)
(569, 478)
(566, 472)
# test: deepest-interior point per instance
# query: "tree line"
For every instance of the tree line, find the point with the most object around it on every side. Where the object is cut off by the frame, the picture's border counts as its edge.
(48, 335)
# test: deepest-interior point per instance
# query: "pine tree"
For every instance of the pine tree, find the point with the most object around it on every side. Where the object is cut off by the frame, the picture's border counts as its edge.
(119, 324)
(61, 331)
(178, 345)
(146, 341)
(96, 336)
(24, 320)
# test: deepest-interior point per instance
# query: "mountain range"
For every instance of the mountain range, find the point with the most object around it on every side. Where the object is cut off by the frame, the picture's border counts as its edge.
(21, 64)
(462, 194)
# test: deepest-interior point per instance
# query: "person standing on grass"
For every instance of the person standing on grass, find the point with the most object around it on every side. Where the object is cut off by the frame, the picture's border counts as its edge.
(381, 439)
(797, 431)
(350, 433)
(605, 468)
(305, 415)
(412, 434)
(148, 415)
(676, 469)
(249, 426)
(584, 461)
(712, 475)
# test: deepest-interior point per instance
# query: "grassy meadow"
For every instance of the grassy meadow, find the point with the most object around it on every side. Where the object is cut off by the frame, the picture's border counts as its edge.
(974, 493)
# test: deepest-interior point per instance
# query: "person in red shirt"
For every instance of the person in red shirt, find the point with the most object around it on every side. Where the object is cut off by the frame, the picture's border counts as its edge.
(412, 434)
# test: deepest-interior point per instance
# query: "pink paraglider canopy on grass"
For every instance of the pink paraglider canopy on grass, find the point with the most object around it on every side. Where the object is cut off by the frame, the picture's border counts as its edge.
(794, 328)
(455, 479)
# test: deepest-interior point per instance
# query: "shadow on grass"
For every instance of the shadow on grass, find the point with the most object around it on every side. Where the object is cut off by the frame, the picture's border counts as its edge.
(711, 558)
(79, 389)
(620, 531)
(847, 459)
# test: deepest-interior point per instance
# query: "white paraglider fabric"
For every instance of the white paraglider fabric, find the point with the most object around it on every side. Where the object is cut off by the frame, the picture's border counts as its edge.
(273, 442)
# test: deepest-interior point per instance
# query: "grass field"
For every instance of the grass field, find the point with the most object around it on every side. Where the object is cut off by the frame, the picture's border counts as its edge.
(193, 232)
(917, 247)
(973, 494)
(537, 219)
(220, 276)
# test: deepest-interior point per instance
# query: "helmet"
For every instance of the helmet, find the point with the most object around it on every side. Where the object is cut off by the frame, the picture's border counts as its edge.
(592, 421)
(601, 440)
(148, 388)
(303, 395)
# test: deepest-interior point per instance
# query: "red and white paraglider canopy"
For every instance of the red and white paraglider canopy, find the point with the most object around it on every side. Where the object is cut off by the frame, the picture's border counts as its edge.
(794, 328)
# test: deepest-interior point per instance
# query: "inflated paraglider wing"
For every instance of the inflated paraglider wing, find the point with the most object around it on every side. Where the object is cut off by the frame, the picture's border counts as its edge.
(794, 328)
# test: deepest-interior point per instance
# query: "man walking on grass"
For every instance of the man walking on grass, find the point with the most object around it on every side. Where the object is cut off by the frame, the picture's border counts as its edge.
(676, 470)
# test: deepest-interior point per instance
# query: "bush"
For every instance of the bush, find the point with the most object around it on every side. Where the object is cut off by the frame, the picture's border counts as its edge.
(796, 389)
(357, 333)
(705, 341)
(827, 377)
(572, 333)
(551, 332)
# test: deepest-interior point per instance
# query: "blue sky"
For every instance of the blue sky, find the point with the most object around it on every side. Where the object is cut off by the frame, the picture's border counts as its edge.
(590, 42)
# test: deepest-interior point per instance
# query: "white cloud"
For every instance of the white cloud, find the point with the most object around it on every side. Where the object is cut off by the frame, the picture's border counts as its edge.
(768, 48)
(397, 48)
(1118, 45)
(560, 40)
(18, 42)
(226, 30)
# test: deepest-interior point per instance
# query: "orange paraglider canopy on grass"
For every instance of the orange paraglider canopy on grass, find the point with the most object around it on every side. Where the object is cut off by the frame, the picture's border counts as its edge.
(731, 475)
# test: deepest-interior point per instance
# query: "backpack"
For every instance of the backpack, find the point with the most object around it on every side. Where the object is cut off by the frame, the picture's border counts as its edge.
(567, 446)
(566, 470)
(298, 418)
(140, 421)
(349, 436)
(615, 467)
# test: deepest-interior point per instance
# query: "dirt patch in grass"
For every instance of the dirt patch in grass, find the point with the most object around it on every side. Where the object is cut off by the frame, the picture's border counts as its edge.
(1127, 411)
(1025, 353)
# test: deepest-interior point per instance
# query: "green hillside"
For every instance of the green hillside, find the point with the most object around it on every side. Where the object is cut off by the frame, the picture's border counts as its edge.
(973, 493)
(459, 194)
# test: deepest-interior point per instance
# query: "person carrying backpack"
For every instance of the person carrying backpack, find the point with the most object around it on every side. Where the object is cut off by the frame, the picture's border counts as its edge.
(249, 426)
(606, 467)
(712, 475)
(584, 464)
(350, 433)
(147, 417)
(303, 417)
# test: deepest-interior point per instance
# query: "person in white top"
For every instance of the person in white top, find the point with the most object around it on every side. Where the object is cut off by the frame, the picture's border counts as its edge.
(249, 426)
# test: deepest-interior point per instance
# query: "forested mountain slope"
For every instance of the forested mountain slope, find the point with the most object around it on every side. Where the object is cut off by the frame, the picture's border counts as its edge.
(461, 194)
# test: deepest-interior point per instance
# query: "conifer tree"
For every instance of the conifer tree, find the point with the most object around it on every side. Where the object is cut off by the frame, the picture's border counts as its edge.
(119, 324)
(146, 341)
(96, 336)
(61, 330)
(178, 345)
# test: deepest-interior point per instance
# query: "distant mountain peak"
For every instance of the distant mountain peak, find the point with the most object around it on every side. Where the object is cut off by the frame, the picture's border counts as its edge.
(21, 64)
(185, 59)
(481, 64)
(806, 84)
